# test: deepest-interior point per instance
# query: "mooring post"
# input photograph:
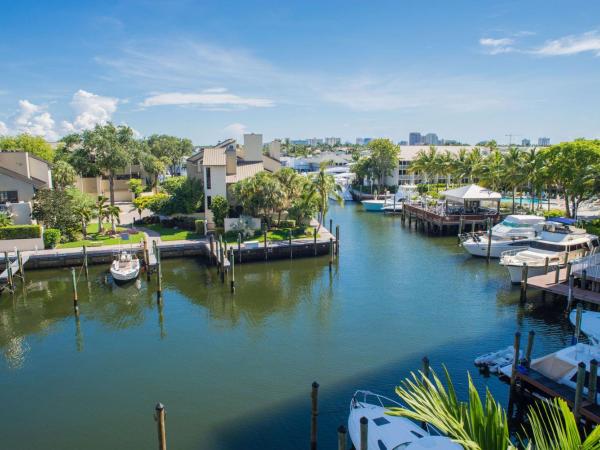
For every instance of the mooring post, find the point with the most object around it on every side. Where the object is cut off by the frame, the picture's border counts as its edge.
(546, 263)
(578, 317)
(315, 239)
(9, 277)
(557, 274)
(290, 242)
(21, 268)
(579, 391)
(146, 258)
(222, 257)
(158, 275)
(211, 240)
(569, 269)
(584, 279)
(337, 240)
(593, 383)
(240, 248)
(570, 293)
(160, 416)
(516, 345)
(330, 253)
(232, 263)
(330, 225)
(85, 262)
(567, 258)
(364, 433)
(529, 348)
(75, 298)
(341, 437)
(313, 416)
(524, 276)
(266, 245)
(460, 227)
(489, 245)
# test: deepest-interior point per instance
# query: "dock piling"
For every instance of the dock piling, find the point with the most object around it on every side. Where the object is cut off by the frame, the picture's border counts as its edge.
(160, 416)
(516, 345)
(211, 240)
(460, 227)
(530, 339)
(341, 437)
(85, 262)
(570, 292)
(578, 317)
(9, 274)
(21, 269)
(489, 244)
(579, 391)
(75, 299)
(330, 225)
(364, 433)
(557, 274)
(593, 383)
(337, 240)
(330, 253)
(239, 242)
(569, 268)
(266, 246)
(158, 276)
(290, 242)
(546, 263)
(222, 258)
(314, 414)
(315, 239)
(524, 277)
(232, 263)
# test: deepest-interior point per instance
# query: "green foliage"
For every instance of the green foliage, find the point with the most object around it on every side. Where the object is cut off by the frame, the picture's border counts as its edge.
(36, 145)
(170, 150)
(554, 213)
(199, 226)
(55, 209)
(286, 224)
(52, 237)
(135, 186)
(384, 158)
(155, 203)
(63, 174)
(5, 219)
(219, 208)
(20, 231)
(186, 195)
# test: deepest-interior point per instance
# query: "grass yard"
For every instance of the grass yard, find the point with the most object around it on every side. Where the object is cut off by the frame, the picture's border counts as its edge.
(97, 240)
(171, 234)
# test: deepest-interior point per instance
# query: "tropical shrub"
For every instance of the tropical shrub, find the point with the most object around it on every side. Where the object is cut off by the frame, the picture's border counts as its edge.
(219, 208)
(55, 209)
(155, 203)
(554, 213)
(186, 195)
(289, 223)
(135, 186)
(51, 237)
(199, 226)
(5, 219)
(20, 232)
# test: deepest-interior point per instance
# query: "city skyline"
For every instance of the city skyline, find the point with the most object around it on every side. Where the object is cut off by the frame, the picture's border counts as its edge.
(215, 71)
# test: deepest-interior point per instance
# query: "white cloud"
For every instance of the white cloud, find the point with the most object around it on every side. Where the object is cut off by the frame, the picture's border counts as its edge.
(91, 109)
(497, 46)
(3, 129)
(235, 130)
(210, 98)
(571, 45)
(33, 119)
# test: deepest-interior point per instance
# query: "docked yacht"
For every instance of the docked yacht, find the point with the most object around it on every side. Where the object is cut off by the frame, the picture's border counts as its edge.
(125, 267)
(559, 242)
(513, 231)
(590, 324)
(561, 366)
(385, 432)
(386, 201)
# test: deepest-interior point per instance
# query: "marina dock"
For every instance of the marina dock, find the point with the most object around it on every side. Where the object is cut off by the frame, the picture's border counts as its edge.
(435, 221)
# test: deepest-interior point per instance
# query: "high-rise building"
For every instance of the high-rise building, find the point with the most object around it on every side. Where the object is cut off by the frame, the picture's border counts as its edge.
(415, 138)
(525, 142)
(363, 141)
(543, 142)
(332, 141)
(431, 139)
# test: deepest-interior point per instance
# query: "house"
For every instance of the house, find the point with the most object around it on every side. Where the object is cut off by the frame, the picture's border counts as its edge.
(99, 185)
(21, 174)
(220, 166)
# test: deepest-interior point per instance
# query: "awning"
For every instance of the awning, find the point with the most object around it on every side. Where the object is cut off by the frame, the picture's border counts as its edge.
(471, 193)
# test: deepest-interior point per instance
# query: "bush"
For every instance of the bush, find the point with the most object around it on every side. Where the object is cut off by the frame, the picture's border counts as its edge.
(286, 224)
(199, 226)
(155, 203)
(219, 208)
(20, 232)
(231, 235)
(554, 213)
(51, 237)
(186, 195)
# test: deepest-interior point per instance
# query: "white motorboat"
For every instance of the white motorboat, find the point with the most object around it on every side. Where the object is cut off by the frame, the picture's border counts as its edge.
(562, 366)
(125, 267)
(493, 361)
(514, 231)
(559, 242)
(387, 202)
(385, 432)
(590, 324)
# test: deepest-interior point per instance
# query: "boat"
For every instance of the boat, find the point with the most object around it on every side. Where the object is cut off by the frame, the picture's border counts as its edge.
(559, 242)
(493, 361)
(387, 432)
(389, 202)
(590, 324)
(562, 366)
(514, 231)
(125, 267)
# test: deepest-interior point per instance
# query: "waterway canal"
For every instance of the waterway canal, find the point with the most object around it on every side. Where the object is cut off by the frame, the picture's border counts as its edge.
(235, 371)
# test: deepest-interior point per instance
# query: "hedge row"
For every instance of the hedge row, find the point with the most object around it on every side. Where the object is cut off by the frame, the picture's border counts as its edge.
(20, 232)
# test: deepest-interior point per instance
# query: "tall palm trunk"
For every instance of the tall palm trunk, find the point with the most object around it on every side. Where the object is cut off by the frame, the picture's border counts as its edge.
(100, 222)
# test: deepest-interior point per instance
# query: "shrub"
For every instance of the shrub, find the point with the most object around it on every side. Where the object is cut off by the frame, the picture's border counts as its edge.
(186, 195)
(231, 235)
(51, 237)
(155, 203)
(5, 219)
(289, 223)
(219, 208)
(20, 232)
(199, 226)
(554, 213)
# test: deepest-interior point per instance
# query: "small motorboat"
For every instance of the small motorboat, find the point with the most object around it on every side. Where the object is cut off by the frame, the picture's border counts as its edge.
(493, 361)
(590, 324)
(385, 432)
(125, 267)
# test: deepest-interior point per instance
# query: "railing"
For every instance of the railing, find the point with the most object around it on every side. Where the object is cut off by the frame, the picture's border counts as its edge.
(512, 252)
(591, 265)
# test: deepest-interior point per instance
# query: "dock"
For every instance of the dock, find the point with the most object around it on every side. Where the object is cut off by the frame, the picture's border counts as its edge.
(14, 266)
(437, 220)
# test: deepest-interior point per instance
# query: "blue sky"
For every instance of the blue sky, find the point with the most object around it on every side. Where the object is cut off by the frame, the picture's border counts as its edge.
(468, 70)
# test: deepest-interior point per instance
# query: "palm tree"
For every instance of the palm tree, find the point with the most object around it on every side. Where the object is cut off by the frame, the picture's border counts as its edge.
(514, 171)
(426, 163)
(324, 185)
(112, 214)
(101, 211)
(446, 166)
(291, 188)
(474, 164)
(460, 168)
(85, 213)
(492, 169)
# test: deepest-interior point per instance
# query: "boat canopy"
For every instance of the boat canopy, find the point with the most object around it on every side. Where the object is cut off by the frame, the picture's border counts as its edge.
(471, 193)
(563, 220)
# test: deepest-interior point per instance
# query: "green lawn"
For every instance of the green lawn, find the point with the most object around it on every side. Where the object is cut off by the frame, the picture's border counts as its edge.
(96, 240)
(171, 234)
(278, 235)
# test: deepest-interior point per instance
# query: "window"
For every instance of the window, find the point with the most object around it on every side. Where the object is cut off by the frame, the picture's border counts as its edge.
(208, 182)
(208, 201)
(9, 196)
(381, 421)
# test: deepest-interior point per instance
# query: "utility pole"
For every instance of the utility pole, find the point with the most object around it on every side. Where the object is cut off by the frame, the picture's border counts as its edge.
(510, 136)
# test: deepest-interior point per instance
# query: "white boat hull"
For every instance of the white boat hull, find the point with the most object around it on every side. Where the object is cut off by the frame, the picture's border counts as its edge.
(373, 205)
(532, 271)
(496, 249)
(125, 274)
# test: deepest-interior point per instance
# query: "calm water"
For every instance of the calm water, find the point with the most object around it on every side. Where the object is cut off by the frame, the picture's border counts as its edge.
(235, 371)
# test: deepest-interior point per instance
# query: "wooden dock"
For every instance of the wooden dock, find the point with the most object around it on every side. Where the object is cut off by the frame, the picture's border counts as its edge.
(547, 283)
(14, 265)
(435, 222)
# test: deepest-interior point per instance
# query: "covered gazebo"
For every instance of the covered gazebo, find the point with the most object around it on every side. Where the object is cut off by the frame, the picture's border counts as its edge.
(470, 197)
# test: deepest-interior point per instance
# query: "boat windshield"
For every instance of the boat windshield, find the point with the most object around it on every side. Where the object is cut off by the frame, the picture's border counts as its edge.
(512, 224)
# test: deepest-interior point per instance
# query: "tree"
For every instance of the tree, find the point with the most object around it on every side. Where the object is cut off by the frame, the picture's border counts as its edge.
(491, 172)
(54, 209)
(514, 171)
(135, 186)
(324, 185)
(363, 168)
(186, 195)
(260, 195)
(110, 148)
(219, 208)
(154, 166)
(291, 186)
(384, 159)
(169, 149)
(63, 174)
(426, 163)
(36, 145)
(101, 211)
(113, 214)
(84, 208)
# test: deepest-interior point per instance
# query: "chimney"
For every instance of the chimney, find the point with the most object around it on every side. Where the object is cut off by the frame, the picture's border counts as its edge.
(253, 147)
(275, 149)
(231, 160)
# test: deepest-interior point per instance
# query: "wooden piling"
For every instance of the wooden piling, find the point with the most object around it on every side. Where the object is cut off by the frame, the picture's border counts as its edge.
(75, 298)
(290, 242)
(211, 241)
(160, 417)
(364, 433)
(529, 348)
(314, 414)
(315, 239)
(266, 246)
(578, 317)
(516, 345)
(557, 274)
(546, 263)
(567, 257)
(524, 277)
(222, 258)
(341, 437)
(330, 225)
(158, 275)
(85, 262)
(232, 265)
(9, 274)
(330, 253)
(579, 391)
(489, 245)
(337, 240)
(239, 242)
(570, 293)
(593, 382)
(21, 268)
(569, 269)
(460, 227)
(147, 258)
